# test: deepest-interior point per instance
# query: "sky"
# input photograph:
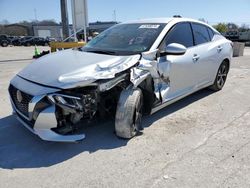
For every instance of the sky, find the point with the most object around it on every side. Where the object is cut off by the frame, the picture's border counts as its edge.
(213, 11)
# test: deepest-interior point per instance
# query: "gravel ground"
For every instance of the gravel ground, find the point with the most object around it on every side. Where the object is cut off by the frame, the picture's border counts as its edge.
(200, 141)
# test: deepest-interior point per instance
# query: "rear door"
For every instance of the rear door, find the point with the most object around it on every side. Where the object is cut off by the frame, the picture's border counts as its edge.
(206, 54)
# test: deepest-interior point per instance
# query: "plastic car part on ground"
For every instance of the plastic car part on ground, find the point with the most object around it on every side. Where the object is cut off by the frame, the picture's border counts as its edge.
(37, 55)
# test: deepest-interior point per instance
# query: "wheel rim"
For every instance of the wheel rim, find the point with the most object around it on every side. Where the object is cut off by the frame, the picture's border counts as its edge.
(222, 76)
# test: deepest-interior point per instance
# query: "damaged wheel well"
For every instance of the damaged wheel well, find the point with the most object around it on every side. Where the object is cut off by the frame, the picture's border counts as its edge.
(147, 87)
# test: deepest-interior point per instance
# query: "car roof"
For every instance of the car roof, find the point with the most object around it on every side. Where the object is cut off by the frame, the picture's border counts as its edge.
(150, 20)
(165, 20)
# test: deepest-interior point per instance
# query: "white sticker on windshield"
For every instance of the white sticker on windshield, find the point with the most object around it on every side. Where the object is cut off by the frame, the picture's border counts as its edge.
(149, 26)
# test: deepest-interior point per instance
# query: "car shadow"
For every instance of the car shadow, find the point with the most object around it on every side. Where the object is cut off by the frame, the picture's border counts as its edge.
(21, 149)
(149, 120)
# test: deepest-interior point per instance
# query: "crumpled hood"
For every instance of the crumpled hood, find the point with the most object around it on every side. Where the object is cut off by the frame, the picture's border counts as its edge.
(70, 68)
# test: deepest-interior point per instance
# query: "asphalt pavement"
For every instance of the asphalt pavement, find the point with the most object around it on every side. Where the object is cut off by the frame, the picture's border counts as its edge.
(201, 141)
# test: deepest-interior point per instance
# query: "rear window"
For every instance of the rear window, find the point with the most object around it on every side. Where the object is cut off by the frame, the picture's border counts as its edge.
(201, 34)
(211, 33)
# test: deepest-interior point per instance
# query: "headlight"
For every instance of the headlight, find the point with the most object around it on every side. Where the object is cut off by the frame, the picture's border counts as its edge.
(67, 102)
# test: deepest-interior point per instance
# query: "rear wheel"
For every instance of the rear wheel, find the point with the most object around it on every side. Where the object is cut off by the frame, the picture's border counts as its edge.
(220, 77)
(129, 113)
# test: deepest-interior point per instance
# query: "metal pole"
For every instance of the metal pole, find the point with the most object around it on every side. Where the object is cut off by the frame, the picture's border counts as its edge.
(65, 21)
(35, 15)
(73, 18)
(85, 33)
(86, 20)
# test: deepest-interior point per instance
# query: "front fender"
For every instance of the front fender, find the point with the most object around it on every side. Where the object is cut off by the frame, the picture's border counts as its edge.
(137, 76)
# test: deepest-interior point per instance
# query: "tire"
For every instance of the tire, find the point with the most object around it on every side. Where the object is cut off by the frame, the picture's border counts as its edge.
(4, 44)
(221, 77)
(129, 113)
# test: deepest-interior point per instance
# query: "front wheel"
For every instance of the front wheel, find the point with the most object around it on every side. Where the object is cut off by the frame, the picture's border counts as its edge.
(129, 113)
(4, 44)
(220, 77)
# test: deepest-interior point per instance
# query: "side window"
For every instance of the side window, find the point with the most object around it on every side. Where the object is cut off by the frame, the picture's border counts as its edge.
(200, 34)
(180, 33)
(211, 33)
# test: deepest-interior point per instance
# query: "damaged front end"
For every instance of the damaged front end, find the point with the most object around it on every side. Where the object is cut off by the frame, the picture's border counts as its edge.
(72, 107)
(42, 114)
(61, 114)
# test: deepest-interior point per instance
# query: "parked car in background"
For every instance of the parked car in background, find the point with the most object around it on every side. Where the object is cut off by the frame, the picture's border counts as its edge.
(14, 40)
(11, 37)
(232, 35)
(39, 41)
(4, 40)
(18, 41)
(131, 69)
(51, 39)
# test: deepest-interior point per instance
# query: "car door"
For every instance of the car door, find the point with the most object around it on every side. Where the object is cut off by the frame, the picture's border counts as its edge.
(205, 51)
(179, 70)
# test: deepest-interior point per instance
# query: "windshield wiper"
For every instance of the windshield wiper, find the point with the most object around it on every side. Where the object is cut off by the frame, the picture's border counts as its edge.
(101, 52)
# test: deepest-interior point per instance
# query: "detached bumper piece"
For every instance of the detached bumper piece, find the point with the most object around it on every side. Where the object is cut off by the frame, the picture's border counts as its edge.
(37, 114)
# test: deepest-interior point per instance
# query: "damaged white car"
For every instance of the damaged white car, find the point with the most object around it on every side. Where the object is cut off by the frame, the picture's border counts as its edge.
(131, 69)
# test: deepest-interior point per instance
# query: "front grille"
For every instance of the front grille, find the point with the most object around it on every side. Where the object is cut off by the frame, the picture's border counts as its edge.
(22, 104)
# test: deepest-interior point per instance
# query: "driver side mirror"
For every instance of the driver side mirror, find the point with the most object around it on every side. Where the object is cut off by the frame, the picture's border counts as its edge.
(173, 49)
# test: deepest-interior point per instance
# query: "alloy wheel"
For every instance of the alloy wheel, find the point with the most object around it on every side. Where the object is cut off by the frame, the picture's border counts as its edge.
(222, 75)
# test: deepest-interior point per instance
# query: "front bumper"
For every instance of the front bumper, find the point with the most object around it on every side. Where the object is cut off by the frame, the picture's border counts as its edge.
(49, 135)
(39, 119)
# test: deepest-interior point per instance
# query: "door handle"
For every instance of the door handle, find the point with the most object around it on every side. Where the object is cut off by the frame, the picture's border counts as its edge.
(196, 57)
(219, 48)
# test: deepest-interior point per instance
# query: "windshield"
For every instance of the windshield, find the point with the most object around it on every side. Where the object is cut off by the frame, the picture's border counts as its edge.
(125, 39)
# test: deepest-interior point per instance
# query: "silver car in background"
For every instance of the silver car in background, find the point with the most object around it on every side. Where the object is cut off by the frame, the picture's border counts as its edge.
(131, 69)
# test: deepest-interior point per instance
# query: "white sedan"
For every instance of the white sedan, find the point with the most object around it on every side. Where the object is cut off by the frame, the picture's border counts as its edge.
(131, 69)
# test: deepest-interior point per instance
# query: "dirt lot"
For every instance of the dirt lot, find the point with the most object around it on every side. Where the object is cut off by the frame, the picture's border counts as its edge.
(200, 141)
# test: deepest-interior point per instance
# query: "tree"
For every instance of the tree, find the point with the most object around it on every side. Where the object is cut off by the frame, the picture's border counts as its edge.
(221, 27)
